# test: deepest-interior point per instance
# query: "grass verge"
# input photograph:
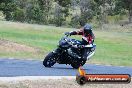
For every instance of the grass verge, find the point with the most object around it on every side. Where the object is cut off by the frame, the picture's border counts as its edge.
(35, 41)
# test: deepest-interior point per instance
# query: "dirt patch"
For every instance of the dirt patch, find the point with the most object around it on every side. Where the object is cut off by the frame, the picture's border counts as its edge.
(10, 46)
(58, 83)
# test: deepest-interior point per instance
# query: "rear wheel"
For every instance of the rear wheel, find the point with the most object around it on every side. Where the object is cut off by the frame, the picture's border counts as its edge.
(76, 65)
(49, 60)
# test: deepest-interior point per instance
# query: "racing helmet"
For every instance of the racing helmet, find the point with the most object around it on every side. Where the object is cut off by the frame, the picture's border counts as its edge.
(87, 29)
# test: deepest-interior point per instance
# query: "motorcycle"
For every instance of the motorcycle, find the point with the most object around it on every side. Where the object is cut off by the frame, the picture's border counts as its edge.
(67, 54)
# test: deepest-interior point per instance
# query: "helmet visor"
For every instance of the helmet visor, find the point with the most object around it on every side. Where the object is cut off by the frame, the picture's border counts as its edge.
(87, 31)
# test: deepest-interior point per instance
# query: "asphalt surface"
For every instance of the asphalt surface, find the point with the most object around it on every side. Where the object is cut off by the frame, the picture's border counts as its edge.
(14, 67)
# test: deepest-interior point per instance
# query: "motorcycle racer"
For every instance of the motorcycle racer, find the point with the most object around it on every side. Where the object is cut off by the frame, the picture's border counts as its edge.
(87, 38)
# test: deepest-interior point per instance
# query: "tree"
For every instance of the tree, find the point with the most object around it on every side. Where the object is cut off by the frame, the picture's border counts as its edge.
(35, 15)
(58, 15)
(18, 15)
(45, 7)
(75, 21)
(103, 9)
(65, 4)
(75, 14)
(7, 6)
(87, 8)
(124, 5)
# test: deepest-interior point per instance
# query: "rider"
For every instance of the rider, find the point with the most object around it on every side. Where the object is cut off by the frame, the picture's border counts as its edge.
(87, 38)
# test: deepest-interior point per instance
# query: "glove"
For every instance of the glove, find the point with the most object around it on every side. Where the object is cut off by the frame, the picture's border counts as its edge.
(67, 33)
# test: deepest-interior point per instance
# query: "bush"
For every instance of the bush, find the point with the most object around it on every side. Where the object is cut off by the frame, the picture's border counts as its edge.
(19, 15)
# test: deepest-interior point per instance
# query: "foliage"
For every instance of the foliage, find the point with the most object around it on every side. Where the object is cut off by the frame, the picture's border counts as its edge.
(58, 15)
(87, 8)
(7, 6)
(19, 15)
(122, 5)
(61, 12)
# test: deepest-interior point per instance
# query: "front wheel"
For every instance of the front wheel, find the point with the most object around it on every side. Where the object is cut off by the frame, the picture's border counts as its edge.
(49, 60)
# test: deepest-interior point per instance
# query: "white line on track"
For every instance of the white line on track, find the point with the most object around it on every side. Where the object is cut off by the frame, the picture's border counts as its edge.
(21, 78)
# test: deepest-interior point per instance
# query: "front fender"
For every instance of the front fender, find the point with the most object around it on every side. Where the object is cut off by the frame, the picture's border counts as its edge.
(57, 51)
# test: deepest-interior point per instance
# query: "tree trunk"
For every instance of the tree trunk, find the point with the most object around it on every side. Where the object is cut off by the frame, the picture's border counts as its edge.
(129, 8)
(130, 16)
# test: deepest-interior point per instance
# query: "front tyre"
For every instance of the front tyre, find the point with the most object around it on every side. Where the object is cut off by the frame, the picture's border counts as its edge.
(49, 60)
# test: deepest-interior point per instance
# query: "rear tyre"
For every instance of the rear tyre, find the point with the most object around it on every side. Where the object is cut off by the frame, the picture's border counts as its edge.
(76, 65)
(49, 60)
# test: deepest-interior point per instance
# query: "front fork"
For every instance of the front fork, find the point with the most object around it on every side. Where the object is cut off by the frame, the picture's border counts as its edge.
(92, 52)
(57, 51)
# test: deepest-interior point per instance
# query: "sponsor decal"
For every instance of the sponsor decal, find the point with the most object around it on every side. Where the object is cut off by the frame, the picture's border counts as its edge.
(83, 78)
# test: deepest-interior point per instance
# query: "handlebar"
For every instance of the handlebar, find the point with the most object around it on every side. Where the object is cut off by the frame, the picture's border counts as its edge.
(69, 42)
(72, 43)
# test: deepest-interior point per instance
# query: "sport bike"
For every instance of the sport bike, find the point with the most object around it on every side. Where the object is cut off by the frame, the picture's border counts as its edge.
(67, 54)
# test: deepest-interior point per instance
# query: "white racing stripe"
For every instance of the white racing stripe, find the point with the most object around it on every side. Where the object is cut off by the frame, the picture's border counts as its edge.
(90, 55)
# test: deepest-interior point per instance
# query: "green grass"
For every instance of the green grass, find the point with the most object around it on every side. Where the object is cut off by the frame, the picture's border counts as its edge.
(114, 48)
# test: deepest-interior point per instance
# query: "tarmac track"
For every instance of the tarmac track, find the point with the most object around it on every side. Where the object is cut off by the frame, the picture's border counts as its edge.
(14, 68)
